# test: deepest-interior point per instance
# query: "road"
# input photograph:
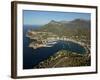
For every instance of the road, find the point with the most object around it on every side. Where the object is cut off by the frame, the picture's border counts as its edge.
(60, 61)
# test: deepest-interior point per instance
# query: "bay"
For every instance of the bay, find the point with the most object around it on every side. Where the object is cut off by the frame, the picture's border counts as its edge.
(32, 57)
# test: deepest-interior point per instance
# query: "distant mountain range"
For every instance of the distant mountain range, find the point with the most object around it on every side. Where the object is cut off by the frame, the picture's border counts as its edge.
(67, 28)
(77, 23)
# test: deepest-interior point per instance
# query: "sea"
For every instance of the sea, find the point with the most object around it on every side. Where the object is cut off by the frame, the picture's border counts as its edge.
(32, 57)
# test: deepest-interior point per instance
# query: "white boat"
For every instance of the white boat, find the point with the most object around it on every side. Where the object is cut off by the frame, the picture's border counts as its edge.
(53, 42)
(50, 44)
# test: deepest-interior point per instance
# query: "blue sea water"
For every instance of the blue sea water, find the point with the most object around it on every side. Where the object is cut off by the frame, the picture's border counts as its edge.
(32, 57)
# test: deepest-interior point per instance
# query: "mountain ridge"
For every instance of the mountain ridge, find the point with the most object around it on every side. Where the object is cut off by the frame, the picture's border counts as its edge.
(76, 27)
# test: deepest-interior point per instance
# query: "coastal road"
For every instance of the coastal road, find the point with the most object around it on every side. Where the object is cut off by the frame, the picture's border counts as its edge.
(60, 61)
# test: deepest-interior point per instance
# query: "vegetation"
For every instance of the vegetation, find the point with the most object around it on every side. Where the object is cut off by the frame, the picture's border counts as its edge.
(65, 58)
(78, 30)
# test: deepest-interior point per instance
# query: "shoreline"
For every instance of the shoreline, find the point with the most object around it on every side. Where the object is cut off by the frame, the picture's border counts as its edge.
(45, 42)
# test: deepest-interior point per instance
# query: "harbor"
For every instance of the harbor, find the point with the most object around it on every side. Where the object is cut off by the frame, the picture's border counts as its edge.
(48, 41)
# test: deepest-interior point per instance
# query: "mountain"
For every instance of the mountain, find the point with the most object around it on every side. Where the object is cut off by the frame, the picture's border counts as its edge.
(68, 28)
(81, 23)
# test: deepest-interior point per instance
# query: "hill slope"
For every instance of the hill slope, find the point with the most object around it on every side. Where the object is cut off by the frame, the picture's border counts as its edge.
(71, 28)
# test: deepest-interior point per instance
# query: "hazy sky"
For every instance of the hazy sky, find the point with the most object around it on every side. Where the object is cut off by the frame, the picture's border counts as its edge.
(31, 17)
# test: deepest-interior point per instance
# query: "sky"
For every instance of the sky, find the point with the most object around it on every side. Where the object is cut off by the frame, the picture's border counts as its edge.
(31, 17)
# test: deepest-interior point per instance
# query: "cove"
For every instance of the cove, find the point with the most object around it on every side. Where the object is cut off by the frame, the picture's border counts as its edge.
(32, 57)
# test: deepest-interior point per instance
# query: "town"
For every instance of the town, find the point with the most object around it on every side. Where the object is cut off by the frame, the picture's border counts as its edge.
(48, 39)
